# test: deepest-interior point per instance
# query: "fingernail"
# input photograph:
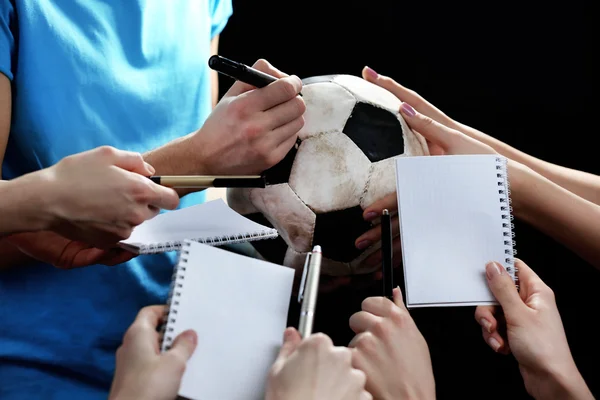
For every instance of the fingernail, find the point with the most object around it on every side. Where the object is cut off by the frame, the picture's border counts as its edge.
(363, 244)
(370, 216)
(190, 336)
(150, 168)
(493, 269)
(408, 110)
(487, 325)
(371, 73)
(494, 344)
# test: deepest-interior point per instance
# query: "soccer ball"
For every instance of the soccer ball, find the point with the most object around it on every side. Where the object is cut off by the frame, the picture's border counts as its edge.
(342, 162)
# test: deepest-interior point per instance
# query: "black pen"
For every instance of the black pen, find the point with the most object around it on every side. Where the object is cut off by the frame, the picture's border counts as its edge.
(386, 255)
(240, 72)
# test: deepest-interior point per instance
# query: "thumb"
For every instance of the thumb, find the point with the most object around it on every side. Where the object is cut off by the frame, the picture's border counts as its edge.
(132, 161)
(291, 340)
(398, 299)
(183, 346)
(503, 288)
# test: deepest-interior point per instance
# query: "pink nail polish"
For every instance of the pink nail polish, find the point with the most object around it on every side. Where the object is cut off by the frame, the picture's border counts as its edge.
(408, 110)
(371, 73)
(370, 216)
(363, 244)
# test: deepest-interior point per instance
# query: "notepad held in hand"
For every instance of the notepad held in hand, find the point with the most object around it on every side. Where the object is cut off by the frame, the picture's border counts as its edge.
(238, 307)
(455, 217)
(213, 223)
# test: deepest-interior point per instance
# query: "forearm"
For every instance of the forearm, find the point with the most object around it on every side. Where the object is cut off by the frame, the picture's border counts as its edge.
(22, 207)
(557, 212)
(583, 184)
(560, 385)
(178, 157)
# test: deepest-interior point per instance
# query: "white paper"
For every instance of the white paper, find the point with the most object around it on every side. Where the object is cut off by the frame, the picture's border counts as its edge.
(238, 306)
(213, 219)
(451, 227)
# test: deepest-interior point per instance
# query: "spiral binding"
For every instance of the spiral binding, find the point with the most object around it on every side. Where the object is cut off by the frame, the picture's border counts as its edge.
(507, 216)
(176, 288)
(211, 241)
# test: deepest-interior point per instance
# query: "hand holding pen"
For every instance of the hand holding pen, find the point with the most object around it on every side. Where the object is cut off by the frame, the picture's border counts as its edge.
(249, 130)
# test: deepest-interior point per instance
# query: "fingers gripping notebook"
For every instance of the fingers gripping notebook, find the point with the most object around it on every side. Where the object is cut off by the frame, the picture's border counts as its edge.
(213, 223)
(238, 306)
(455, 217)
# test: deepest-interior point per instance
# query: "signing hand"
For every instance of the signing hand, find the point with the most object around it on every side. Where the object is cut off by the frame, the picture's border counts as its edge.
(251, 130)
(142, 371)
(314, 369)
(99, 196)
(390, 349)
(534, 334)
(63, 253)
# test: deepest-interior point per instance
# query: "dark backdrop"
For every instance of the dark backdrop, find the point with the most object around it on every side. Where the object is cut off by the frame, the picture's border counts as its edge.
(518, 71)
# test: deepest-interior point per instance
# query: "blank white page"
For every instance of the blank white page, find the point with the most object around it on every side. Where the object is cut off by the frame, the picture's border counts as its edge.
(451, 226)
(203, 222)
(238, 306)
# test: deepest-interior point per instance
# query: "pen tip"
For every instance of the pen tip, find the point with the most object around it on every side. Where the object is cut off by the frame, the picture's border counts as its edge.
(317, 249)
(385, 212)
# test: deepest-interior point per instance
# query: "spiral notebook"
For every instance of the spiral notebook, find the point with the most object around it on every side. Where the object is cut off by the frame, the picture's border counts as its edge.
(213, 223)
(238, 306)
(455, 217)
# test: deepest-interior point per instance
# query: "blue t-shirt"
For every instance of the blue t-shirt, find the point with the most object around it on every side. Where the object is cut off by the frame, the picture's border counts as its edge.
(128, 73)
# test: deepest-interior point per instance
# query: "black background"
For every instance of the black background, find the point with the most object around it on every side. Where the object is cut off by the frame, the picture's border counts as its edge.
(519, 71)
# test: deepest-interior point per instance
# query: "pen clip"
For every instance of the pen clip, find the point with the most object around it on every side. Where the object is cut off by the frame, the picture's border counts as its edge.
(303, 280)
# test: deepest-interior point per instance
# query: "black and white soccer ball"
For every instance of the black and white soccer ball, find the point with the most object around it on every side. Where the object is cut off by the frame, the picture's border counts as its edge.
(342, 163)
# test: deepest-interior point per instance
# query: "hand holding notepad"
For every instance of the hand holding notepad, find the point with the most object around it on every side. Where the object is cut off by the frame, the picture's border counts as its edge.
(455, 217)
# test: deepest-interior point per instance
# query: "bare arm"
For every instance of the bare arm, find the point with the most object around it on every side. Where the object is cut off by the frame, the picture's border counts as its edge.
(581, 183)
(214, 75)
(9, 254)
(178, 157)
(556, 211)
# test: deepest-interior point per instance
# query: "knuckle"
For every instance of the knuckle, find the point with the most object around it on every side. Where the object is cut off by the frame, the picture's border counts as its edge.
(178, 363)
(237, 109)
(288, 87)
(252, 131)
(107, 151)
(381, 329)
(366, 343)
(137, 217)
(299, 105)
(261, 64)
(359, 377)
(320, 341)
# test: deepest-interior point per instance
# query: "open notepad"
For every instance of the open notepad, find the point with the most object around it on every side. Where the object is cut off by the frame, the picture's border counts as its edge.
(455, 217)
(238, 306)
(213, 223)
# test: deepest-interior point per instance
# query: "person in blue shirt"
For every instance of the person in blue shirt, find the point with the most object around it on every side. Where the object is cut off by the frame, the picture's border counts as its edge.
(132, 75)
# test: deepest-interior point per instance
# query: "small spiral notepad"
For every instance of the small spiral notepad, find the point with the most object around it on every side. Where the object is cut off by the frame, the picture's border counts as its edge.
(238, 306)
(455, 217)
(213, 223)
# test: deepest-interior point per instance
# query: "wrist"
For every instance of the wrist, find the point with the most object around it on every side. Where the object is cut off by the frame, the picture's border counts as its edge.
(26, 202)
(561, 383)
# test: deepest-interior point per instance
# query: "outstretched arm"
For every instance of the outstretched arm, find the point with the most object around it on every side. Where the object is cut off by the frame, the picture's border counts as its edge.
(581, 183)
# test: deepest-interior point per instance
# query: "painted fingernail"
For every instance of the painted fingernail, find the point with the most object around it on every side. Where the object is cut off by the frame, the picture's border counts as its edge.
(493, 269)
(370, 216)
(494, 344)
(487, 325)
(408, 110)
(371, 73)
(363, 244)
